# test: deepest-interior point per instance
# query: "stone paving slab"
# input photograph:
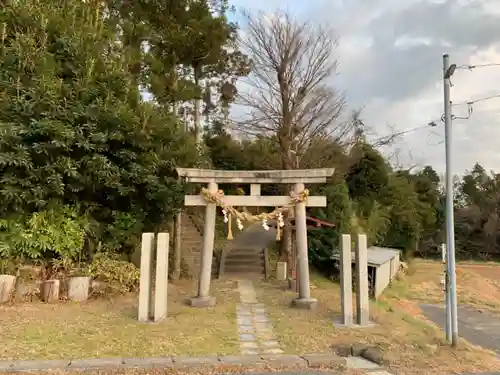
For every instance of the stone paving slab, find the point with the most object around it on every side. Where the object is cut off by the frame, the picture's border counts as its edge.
(97, 363)
(242, 360)
(177, 362)
(36, 365)
(183, 362)
(305, 372)
(361, 363)
(278, 360)
(319, 360)
(154, 362)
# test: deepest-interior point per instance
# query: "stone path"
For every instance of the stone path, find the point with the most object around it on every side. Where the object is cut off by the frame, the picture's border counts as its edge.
(255, 329)
(479, 328)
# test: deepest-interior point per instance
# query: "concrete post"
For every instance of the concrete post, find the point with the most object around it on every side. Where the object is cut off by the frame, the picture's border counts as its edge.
(281, 271)
(304, 300)
(362, 299)
(203, 299)
(176, 274)
(145, 277)
(161, 286)
(346, 279)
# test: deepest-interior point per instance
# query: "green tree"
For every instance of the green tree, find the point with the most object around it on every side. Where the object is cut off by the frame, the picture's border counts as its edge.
(405, 222)
(183, 50)
(367, 178)
(323, 242)
(73, 127)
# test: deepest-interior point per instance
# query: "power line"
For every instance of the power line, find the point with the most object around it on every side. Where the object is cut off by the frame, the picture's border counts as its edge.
(434, 123)
(470, 102)
(470, 109)
(476, 66)
(390, 137)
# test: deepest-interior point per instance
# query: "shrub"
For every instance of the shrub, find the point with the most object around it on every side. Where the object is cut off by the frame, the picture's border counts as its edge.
(58, 232)
(121, 276)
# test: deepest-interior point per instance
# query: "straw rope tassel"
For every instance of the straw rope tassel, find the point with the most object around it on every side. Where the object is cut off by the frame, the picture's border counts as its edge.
(278, 233)
(229, 227)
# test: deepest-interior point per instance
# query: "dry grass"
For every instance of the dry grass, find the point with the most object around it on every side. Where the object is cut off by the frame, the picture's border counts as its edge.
(410, 344)
(109, 328)
(478, 285)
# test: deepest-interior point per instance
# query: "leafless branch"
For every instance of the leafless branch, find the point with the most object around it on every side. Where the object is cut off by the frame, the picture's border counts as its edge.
(289, 93)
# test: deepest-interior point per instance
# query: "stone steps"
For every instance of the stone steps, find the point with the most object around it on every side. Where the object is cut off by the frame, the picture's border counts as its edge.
(243, 275)
(245, 263)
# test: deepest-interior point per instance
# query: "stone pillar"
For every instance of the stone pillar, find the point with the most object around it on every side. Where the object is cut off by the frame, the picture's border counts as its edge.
(203, 299)
(161, 285)
(281, 271)
(362, 299)
(145, 278)
(346, 279)
(304, 300)
(176, 274)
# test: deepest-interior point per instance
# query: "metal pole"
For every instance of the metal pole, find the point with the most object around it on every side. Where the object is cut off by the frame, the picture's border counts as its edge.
(446, 282)
(450, 225)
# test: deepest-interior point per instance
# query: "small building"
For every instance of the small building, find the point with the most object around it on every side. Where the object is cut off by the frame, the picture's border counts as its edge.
(383, 266)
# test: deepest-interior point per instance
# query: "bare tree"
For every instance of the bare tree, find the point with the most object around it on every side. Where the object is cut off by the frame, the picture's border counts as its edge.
(289, 94)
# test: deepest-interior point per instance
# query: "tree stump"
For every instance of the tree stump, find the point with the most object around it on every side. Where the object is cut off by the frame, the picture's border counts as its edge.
(49, 291)
(7, 286)
(78, 288)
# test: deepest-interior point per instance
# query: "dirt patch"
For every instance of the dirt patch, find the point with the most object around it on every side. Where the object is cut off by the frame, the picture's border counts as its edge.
(409, 307)
(410, 345)
(423, 285)
(109, 328)
(489, 271)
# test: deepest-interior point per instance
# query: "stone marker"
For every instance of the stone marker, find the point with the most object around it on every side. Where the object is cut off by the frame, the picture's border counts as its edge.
(161, 285)
(281, 271)
(346, 280)
(78, 288)
(145, 278)
(7, 285)
(362, 298)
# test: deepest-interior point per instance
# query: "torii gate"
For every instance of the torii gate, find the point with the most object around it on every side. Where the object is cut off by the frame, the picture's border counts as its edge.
(211, 198)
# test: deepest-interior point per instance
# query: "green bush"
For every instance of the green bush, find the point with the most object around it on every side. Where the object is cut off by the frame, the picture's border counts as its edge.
(323, 242)
(58, 232)
(121, 276)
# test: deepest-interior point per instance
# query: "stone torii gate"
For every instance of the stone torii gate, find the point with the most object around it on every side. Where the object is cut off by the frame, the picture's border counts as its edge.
(213, 177)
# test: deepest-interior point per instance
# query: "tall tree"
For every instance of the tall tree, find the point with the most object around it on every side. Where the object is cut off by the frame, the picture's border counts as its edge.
(74, 128)
(289, 93)
(185, 52)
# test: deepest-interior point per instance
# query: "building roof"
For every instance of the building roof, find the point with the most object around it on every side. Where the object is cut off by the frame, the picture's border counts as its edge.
(312, 222)
(376, 255)
(315, 222)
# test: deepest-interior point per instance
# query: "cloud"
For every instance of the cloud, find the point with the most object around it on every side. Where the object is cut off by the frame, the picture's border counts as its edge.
(391, 62)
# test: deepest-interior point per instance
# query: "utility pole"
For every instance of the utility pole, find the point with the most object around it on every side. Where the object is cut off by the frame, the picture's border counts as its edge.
(446, 285)
(448, 71)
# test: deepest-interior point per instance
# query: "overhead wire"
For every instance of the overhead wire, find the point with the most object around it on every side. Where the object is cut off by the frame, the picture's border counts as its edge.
(434, 123)
(476, 66)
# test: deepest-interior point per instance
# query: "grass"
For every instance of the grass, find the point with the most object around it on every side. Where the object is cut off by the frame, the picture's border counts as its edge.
(478, 285)
(410, 344)
(109, 328)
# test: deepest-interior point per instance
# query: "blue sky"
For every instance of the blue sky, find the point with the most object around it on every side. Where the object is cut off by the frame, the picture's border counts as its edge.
(390, 61)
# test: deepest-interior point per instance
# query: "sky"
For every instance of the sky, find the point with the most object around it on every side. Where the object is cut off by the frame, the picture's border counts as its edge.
(390, 63)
